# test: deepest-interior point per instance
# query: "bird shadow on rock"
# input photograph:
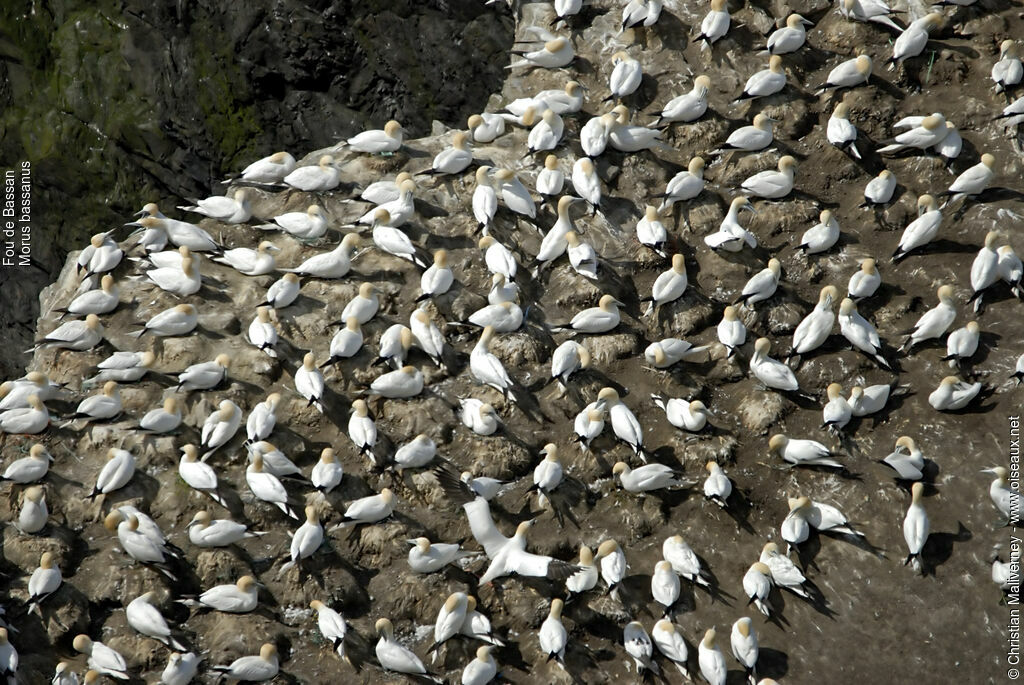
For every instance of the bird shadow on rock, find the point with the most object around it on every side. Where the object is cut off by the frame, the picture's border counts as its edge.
(938, 548)
(772, 663)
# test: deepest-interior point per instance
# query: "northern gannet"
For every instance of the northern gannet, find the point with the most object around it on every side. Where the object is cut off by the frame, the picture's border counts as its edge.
(270, 169)
(743, 640)
(815, 328)
(206, 531)
(1004, 497)
(916, 527)
(784, 572)
(252, 668)
(935, 322)
(117, 471)
(962, 344)
(841, 132)
(104, 406)
(331, 625)
(908, 465)
(454, 159)
(100, 301)
(398, 384)
(78, 335)
(684, 560)
(771, 372)
(651, 232)
(481, 670)
(600, 319)
(44, 581)
(309, 382)
(551, 179)
(102, 658)
(761, 285)
(626, 76)
(790, 38)
(865, 282)
(717, 486)
(837, 412)
(378, 141)
(757, 584)
(507, 555)
(684, 186)
(731, 331)
(307, 226)
(689, 106)
(428, 557)
(624, 422)
(306, 540)
(266, 487)
(1008, 71)
(586, 182)
(29, 469)
(924, 133)
(362, 430)
(731, 236)
(876, 11)
(772, 184)
(327, 472)
(670, 643)
(282, 292)
(711, 660)
(28, 420)
(860, 332)
(585, 578)
(370, 509)
(229, 210)
(638, 645)
(715, 24)
(437, 279)
(912, 41)
(178, 320)
(665, 586)
(480, 417)
(669, 351)
(685, 415)
(147, 620)
(205, 375)
(765, 82)
(333, 264)
(750, 138)
(219, 427)
(449, 621)
(552, 635)
(198, 474)
(953, 394)
(486, 127)
(123, 367)
(555, 53)
(393, 656)
(801, 452)
(647, 478)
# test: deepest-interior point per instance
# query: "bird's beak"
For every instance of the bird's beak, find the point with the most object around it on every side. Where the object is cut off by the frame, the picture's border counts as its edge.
(410, 542)
(992, 471)
(750, 208)
(134, 224)
(140, 212)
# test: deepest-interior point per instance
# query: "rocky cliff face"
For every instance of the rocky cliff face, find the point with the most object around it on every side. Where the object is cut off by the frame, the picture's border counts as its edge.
(117, 101)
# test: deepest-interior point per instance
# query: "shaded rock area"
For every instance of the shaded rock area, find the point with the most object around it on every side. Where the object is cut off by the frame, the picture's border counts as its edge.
(879, 621)
(114, 100)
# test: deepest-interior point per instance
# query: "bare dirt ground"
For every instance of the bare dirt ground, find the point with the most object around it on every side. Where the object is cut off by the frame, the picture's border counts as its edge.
(878, 621)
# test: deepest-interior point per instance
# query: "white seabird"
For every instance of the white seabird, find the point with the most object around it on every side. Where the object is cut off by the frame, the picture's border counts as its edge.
(327, 472)
(102, 658)
(908, 465)
(711, 660)
(252, 668)
(333, 264)
(761, 285)
(953, 394)
(685, 415)
(731, 236)
(147, 620)
(865, 282)
(801, 452)
(916, 527)
(229, 210)
(377, 141)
